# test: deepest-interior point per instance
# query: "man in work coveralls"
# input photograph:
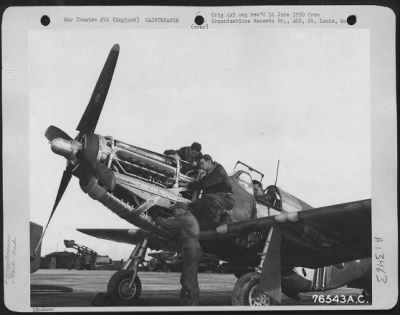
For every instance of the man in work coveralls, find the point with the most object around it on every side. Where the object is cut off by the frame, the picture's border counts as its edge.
(189, 231)
(212, 208)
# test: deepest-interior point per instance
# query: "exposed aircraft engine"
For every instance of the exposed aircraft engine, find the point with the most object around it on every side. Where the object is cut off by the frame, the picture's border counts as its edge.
(149, 166)
(130, 180)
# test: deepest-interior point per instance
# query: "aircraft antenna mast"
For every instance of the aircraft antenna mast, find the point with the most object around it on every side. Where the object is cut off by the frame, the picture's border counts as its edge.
(277, 171)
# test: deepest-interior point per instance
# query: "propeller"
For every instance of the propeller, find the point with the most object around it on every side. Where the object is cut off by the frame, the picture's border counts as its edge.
(87, 125)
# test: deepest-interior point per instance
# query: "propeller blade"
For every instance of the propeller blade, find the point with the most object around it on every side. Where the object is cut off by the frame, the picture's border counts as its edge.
(54, 132)
(61, 189)
(63, 186)
(92, 113)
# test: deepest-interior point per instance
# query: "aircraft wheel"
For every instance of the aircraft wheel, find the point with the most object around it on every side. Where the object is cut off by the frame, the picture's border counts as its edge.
(238, 288)
(247, 292)
(119, 291)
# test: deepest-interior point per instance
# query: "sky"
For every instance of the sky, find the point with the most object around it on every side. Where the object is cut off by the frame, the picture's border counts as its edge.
(301, 96)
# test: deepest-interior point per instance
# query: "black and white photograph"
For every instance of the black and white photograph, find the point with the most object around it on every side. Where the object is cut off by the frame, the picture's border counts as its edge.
(218, 158)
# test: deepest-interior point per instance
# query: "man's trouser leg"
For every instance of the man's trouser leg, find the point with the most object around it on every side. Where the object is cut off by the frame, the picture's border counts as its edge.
(190, 291)
(210, 207)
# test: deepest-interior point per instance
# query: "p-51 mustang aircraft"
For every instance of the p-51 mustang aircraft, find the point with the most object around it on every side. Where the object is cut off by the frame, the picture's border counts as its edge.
(138, 185)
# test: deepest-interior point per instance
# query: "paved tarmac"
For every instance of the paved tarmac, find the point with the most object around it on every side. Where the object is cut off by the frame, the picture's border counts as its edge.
(80, 288)
(62, 287)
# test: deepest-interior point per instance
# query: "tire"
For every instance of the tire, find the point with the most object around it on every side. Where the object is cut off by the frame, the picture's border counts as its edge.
(246, 291)
(236, 292)
(119, 291)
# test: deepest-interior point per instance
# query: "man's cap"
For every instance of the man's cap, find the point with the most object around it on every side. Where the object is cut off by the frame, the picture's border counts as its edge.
(196, 146)
(207, 157)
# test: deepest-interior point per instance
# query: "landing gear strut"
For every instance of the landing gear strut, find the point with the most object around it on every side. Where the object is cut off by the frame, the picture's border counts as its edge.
(125, 287)
(247, 289)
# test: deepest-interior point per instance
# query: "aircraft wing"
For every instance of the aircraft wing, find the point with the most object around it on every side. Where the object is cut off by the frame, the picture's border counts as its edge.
(310, 238)
(131, 236)
(315, 237)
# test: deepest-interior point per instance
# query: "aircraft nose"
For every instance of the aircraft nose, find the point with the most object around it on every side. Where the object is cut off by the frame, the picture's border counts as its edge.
(66, 148)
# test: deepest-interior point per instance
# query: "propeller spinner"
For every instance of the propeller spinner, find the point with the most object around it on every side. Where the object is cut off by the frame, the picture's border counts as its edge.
(63, 144)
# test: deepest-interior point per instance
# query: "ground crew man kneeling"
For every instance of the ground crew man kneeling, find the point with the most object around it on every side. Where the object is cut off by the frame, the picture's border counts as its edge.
(189, 231)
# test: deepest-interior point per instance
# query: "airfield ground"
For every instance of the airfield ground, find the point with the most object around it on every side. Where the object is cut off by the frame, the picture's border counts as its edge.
(72, 288)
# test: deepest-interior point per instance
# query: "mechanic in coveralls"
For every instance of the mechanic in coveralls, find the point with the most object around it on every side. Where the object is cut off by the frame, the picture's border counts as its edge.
(212, 209)
(189, 231)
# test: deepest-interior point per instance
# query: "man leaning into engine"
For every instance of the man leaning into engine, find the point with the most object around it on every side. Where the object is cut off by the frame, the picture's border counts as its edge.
(212, 209)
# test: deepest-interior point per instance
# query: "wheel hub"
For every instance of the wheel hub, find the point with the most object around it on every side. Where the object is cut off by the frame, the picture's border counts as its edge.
(126, 292)
(258, 297)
